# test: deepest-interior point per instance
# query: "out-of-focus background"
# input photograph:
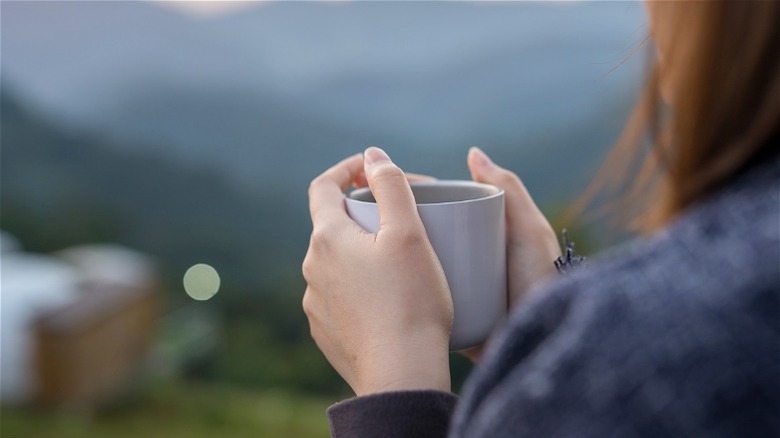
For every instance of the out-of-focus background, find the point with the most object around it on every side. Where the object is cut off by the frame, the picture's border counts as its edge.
(140, 139)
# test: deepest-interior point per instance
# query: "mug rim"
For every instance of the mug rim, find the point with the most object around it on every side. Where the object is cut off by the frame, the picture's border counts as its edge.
(446, 182)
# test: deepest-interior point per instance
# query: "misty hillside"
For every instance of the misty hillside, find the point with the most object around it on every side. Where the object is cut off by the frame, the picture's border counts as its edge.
(272, 95)
(61, 189)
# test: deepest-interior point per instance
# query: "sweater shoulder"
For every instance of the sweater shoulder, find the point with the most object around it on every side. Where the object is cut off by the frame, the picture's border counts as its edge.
(676, 331)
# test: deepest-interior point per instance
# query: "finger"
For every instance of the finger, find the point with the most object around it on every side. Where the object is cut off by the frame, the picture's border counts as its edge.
(326, 192)
(393, 195)
(361, 180)
(415, 177)
(523, 217)
(520, 206)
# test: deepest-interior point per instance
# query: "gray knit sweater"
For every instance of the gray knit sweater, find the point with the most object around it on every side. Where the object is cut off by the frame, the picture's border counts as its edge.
(678, 335)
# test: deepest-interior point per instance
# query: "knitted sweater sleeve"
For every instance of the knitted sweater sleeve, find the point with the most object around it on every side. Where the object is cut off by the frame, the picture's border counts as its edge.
(420, 414)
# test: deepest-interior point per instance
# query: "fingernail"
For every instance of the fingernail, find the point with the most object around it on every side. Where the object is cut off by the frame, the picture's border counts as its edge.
(480, 159)
(375, 155)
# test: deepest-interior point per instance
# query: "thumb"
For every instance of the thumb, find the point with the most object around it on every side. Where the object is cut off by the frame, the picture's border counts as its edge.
(391, 190)
(485, 171)
(522, 212)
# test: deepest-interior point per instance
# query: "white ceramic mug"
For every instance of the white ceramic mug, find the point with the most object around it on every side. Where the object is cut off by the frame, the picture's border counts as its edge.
(466, 226)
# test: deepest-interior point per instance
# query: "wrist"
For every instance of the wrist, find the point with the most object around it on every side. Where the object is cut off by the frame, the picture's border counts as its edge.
(419, 366)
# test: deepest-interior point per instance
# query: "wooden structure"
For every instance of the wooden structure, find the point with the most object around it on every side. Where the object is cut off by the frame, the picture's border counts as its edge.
(89, 351)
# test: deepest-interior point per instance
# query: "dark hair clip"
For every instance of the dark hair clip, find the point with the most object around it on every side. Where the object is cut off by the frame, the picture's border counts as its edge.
(569, 261)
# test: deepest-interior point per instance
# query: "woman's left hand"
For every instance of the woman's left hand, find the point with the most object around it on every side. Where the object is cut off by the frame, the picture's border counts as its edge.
(378, 305)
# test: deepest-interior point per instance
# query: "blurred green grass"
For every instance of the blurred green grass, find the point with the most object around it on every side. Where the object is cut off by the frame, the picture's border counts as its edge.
(179, 409)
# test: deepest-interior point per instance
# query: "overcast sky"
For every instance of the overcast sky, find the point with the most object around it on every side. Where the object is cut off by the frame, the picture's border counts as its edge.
(207, 7)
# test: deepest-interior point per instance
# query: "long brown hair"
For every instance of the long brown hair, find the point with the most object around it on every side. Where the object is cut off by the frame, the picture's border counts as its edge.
(719, 70)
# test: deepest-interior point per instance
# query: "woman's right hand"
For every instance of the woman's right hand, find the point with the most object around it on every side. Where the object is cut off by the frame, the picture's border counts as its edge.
(378, 304)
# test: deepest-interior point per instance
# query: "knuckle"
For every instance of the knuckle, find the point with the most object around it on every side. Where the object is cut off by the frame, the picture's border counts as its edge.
(307, 269)
(314, 333)
(326, 231)
(410, 237)
(508, 178)
(320, 239)
(316, 182)
(306, 303)
(387, 172)
(516, 192)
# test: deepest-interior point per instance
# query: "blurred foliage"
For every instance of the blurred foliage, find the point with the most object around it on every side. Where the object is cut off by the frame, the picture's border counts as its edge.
(178, 409)
(62, 188)
(250, 356)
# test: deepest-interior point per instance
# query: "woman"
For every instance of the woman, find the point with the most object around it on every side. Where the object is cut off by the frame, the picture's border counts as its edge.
(678, 336)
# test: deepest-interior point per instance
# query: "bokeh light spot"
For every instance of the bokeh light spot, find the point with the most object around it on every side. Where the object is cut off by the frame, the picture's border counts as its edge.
(201, 282)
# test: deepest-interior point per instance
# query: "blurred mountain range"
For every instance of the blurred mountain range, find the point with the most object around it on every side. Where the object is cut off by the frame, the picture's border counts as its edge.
(61, 189)
(273, 94)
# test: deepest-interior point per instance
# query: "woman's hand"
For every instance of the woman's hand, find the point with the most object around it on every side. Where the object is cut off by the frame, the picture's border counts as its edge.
(531, 245)
(378, 305)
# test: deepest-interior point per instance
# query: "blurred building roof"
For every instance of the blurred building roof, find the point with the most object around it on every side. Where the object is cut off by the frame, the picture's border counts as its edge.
(69, 289)
(110, 265)
(30, 285)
